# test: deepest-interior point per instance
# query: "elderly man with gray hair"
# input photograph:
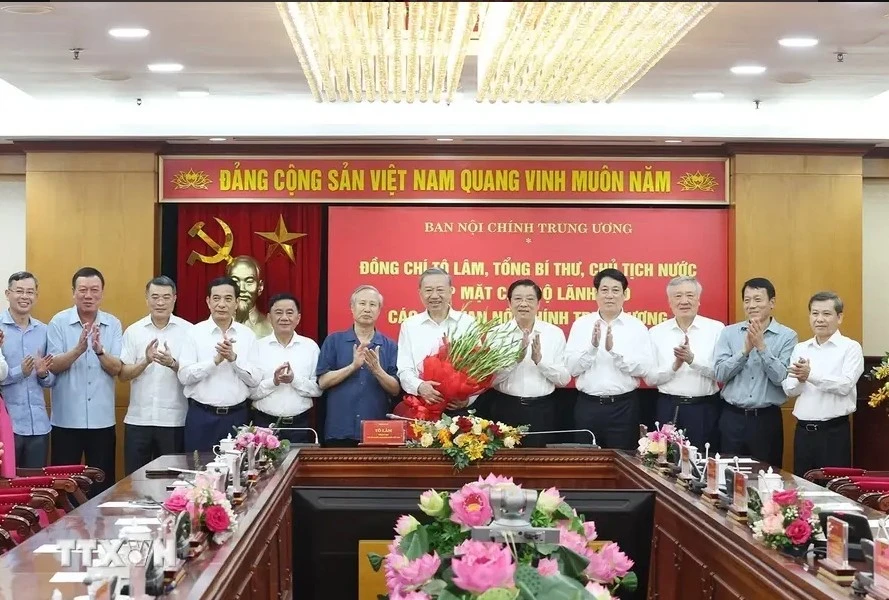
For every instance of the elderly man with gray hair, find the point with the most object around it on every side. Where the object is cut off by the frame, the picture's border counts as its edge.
(684, 376)
(357, 369)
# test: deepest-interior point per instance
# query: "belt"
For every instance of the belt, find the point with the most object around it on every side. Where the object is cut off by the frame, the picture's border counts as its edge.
(690, 400)
(750, 412)
(219, 410)
(822, 425)
(523, 400)
(609, 399)
(279, 420)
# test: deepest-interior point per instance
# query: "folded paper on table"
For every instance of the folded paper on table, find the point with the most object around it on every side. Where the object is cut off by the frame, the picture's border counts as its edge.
(117, 504)
(832, 506)
(68, 577)
(137, 521)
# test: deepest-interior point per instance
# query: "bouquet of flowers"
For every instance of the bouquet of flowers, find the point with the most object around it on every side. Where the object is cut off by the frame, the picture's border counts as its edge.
(272, 448)
(784, 521)
(465, 439)
(657, 444)
(438, 559)
(464, 366)
(879, 373)
(209, 508)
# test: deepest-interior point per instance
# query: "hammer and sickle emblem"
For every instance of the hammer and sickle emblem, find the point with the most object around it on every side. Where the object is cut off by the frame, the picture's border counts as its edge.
(223, 252)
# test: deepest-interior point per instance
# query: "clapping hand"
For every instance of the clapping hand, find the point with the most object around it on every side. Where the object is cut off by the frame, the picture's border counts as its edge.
(97, 340)
(536, 353)
(226, 349)
(151, 351)
(283, 374)
(597, 333)
(800, 370)
(683, 354)
(359, 355)
(372, 358)
(83, 340)
(28, 366)
(755, 336)
(609, 339)
(43, 365)
(2, 335)
(163, 356)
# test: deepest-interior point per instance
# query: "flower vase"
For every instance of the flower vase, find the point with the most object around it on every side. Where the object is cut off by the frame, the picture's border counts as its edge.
(800, 551)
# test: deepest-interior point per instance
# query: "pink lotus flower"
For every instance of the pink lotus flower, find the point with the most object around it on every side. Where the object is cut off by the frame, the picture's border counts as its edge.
(598, 592)
(549, 500)
(770, 509)
(403, 575)
(547, 567)
(470, 506)
(773, 525)
(493, 480)
(798, 532)
(805, 510)
(574, 541)
(406, 524)
(784, 497)
(589, 530)
(608, 564)
(480, 566)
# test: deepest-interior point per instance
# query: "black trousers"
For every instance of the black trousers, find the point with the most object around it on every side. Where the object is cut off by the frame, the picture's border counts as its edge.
(31, 450)
(142, 444)
(698, 417)
(757, 433)
(538, 413)
(205, 426)
(93, 447)
(301, 421)
(613, 419)
(819, 444)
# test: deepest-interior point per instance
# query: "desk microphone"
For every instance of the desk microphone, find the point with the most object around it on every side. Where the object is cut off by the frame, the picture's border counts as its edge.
(301, 444)
(566, 445)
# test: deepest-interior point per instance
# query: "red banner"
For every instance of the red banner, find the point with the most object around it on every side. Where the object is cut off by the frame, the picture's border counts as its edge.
(395, 179)
(486, 249)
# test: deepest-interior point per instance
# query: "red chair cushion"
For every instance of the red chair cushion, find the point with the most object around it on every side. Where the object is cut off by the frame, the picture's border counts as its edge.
(42, 517)
(14, 496)
(842, 471)
(866, 478)
(874, 486)
(44, 481)
(64, 470)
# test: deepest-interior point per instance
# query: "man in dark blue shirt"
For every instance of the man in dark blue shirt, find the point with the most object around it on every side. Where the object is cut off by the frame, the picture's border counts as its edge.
(357, 370)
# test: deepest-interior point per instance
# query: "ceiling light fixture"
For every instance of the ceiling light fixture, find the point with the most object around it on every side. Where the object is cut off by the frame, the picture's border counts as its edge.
(165, 67)
(444, 139)
(672, 141)
(194, 93)
(27, 9)
(801, 42)
(748, 70)
(128, 33)
(217, 139)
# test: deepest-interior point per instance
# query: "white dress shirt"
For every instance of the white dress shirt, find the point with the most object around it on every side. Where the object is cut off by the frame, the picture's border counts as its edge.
(419, 337)
(227, 383)
(829, 392)
(694, 380)
(525, 379)
(156, 396)
(295, 398)
(603, 373)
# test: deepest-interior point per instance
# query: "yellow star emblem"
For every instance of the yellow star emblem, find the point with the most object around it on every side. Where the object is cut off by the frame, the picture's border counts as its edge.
(279, 238)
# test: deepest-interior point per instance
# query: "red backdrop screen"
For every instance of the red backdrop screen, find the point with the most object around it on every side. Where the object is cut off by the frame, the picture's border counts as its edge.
(486, 249)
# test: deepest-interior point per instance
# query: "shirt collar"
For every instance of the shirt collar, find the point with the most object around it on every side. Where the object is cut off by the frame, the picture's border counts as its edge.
(273, 340)
(694, 323)
(833, 339)
(74, 319)
(773, 325)
(453, 315)
(352, 337)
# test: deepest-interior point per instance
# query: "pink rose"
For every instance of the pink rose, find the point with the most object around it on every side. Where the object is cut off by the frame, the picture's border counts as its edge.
(770, 509)
(547, 567)
(773, 525)
(176, 502)
(480, 566)
(805, 510)
(784, 497)
(216, 519)
(798, 532)
(608, 564)
(403, 575)
(271, 442)
(470, 506)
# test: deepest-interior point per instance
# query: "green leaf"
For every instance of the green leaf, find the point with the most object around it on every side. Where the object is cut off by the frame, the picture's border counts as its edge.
(546, 549)
(559, 587)
(434, 587)
(573, 564)
(415, 544)
(499, 594)
(629, 582)
(564, 511)
(448, 576)
(376, 560)
(447, 594)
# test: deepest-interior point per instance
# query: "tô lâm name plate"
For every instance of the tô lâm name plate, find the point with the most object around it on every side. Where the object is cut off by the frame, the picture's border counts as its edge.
(383, 433)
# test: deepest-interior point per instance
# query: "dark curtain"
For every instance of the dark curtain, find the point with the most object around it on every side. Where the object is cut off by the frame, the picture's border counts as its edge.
(301, 277)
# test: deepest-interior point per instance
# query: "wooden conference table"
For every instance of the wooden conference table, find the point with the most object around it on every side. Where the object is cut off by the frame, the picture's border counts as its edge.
(254, 564)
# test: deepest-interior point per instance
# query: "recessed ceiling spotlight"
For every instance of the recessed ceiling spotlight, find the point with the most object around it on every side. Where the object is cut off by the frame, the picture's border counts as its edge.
(165, 67)
(217, 139)
(194, 93)
(708, 96)
(672, 141)
(444, 139)
(128, 33)
(800, 42)
(748, 70)
(27, 9)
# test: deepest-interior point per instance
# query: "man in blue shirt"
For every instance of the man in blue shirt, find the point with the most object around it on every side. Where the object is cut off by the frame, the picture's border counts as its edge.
(358, 370)
(24, 348)
(86, 345)
(751, 359)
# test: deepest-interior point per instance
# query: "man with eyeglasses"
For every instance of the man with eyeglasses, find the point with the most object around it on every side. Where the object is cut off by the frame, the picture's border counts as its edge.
(23, 343)
(155, 420)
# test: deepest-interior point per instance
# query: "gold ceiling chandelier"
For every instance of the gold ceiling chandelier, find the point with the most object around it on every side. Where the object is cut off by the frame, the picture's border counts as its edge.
(526, 51)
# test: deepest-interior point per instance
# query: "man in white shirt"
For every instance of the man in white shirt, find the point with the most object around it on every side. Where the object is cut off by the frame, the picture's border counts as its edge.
(683, 371)
(822, 376)
(287, 362)
(215, 370)
(155, 419)
(523, 393)
(421, 335)
(608, 352)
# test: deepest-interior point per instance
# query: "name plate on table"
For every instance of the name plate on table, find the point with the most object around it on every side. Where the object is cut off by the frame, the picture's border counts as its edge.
(835, 567)
(684, 462)
(383, 433)
(739, 497)
(712, 477)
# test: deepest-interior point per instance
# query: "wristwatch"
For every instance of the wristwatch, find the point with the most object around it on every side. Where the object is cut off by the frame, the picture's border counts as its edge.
(100, 353)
